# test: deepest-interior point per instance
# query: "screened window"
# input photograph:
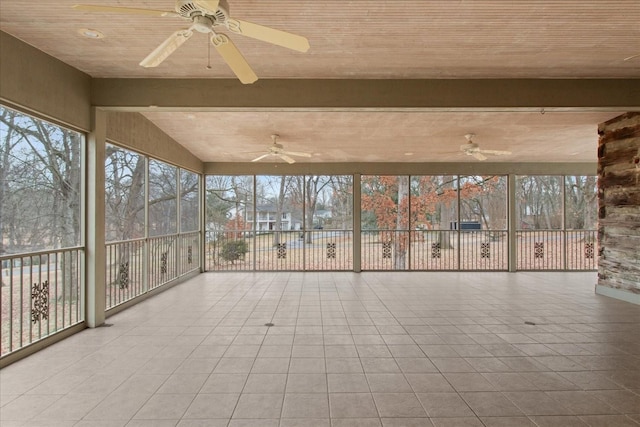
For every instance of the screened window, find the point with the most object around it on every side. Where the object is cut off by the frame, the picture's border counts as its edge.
(189, 192)
(163, 201)
(40, 184)
(124, 194)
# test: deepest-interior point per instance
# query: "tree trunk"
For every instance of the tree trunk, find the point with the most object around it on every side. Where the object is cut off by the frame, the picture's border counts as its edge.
(279, 209)
(400, 236)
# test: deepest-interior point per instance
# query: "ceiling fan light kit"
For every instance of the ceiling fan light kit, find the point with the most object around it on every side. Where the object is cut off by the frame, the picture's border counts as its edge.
(207, 17)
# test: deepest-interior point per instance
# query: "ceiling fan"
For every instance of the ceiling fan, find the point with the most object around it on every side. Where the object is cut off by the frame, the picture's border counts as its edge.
(473, 149)
(277, 150)
(208, 16)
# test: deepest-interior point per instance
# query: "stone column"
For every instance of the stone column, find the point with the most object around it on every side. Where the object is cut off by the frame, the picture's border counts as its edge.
(619, 208)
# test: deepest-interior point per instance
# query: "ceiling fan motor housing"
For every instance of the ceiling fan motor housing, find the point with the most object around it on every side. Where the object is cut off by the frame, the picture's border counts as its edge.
(188, 9)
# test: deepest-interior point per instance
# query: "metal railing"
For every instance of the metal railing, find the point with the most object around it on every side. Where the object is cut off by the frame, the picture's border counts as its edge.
(125, 275)
(446, 250)
(316, 250)
(136, 266)
(434, 250)
(42, 293)
(428, 250)
(484, 250)
(385, 250)
(581, 249)
(556, 249)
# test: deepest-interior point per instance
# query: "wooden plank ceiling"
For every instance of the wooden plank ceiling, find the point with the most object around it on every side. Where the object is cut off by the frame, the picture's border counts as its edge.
(364, 39)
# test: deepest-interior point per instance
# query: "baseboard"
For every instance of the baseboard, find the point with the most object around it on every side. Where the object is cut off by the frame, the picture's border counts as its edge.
(618, 294)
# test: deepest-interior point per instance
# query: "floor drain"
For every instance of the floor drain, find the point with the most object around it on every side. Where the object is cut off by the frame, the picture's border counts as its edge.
(269, 324)
(529, 323)
(106, 325)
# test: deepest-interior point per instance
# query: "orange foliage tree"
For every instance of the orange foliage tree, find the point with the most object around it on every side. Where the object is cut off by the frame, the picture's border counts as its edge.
(235, 227)
(399, 206)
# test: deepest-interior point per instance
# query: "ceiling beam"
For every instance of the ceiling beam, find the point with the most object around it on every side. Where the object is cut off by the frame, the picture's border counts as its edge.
(368, 94)
(436, 168)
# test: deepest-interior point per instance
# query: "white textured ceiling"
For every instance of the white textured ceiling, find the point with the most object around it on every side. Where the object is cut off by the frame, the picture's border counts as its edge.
(364, 39)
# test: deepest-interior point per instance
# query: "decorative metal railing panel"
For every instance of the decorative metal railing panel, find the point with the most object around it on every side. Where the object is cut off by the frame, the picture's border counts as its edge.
(125, 278)
(540, 250)
(428, 250)
(582, 249)
(163, 252)
(42, 293)
(136, 266)
(385, 250)
(328, 250)
(484, 250)
(189, 252)
(434, 250)
(317, 250)
(229, 250)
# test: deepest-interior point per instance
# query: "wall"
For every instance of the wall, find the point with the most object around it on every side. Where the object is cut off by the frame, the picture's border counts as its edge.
(38, 83)
(619, 208)
(135, 131)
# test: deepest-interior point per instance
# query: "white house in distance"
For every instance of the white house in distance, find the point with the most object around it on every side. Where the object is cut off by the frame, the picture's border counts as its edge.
(267, 216)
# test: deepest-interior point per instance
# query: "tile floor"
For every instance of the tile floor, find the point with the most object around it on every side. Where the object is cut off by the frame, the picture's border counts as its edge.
(370, 349)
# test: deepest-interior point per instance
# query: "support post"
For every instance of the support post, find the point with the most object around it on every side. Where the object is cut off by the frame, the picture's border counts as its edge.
(511, 204)
(95, 232)
(357, 222)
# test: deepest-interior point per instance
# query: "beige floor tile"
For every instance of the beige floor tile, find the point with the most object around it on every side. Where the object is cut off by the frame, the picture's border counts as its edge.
(536, 403)
(183, 383)
(307, 383)
(254, 423)
(265, 383)
(581, 403)
(118, 406)
(388, 383)
(352, 405)
(469, 381)
(444, 405)
(356, 422)
(70, 407)
(406, 422)
(491, 404)
(381, 365)
(306, 405)
(208, 406)
(343, 365)
(347, 383)
(338, 334)
(457, 422)
(558, 421)
(224, 383)
(398, 405)
(165, 406)
(305, 422)
(307, 365)
(259, 406)
(270, 365)
(507, 422)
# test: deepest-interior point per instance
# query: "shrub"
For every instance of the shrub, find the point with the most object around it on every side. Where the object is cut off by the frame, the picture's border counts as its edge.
(233, 250)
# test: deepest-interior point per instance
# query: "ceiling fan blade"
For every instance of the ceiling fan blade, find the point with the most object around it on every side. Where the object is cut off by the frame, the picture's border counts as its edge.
(496, 152)
(269, 35)
(478, 155)
(233, 58)
(296, 153)
(166, 48)
(129, 10)
(208, 5)
(261, 157)
(286, 158)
